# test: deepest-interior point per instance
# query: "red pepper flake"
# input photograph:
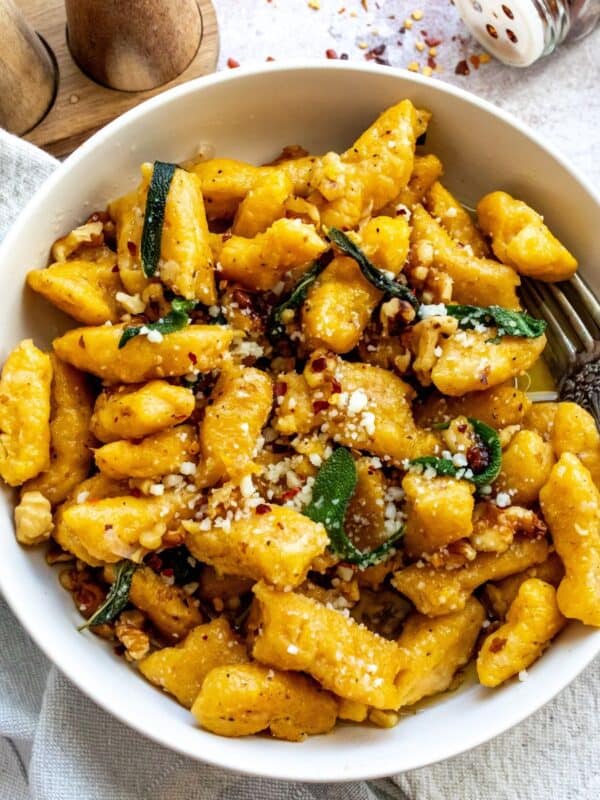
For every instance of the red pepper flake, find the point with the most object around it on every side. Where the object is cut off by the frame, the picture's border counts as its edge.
(330, 53)
(132, 247)
(269, 58)
(232, 63)
(168, 572)
(154, 562)
(336, 386)
(193, 358)
(431, 42)
(263, 508)
(280, 389)
(376, 54)
(497, 644)
(135, 492)
(115, 268)
(289, 495)
(475, 60)
(462, 68)
(431, 62)
(319, 364)
(225, 237)
(320, 405)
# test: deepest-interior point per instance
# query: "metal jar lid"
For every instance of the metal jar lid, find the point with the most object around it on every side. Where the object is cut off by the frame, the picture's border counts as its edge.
(513, 31)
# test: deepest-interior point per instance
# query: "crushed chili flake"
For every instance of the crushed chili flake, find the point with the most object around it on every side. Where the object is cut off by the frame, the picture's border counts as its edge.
(263, 508)
(462, 68)
(280, 389)
(154, 562)
(289, 494)
(232, 63)
(132, 247)
(269, 58)
(431, 62)
(168, 572)
(431, 42)
(319, 364)
(330, 53)
(320, 405)
(193, 358)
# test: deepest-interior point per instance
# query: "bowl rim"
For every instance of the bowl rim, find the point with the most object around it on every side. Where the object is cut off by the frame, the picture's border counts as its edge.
(100, 692)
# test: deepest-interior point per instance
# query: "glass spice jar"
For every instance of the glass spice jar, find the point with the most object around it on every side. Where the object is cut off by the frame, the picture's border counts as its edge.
(519, 32)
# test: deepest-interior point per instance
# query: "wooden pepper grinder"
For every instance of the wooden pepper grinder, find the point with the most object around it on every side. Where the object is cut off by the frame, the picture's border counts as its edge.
(134, 45)
(27, 75)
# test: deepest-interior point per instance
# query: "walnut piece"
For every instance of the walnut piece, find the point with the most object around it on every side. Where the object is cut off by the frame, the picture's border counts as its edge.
(33, 519)
(128, 630)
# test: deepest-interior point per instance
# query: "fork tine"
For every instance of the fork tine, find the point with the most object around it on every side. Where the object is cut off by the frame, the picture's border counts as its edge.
(585, 294)
(562, 351)
(575, 321)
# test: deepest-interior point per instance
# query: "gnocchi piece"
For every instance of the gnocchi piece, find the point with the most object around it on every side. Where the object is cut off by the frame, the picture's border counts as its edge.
(426, 170)
(372, 172)
(571, 506)
(169, 608)
(477, 281)
(33, 519)
(575, 431)
(107, 530)
(436, 591)
(225, 182)
(264, 203)
(499, 407)
(526, 465)
(241, 404)
(293, 405)
(70, 437)
(25, 387)
(181, 670)
(273, 543)
(133, 412)
(299, 634)
(470, 363)
(457, 221)
(500, 595)
(434, 649)
(532, 621)
(340, 303)
(365, 407)
(540, 418)
(160, 454)
(261, 262)
(439, 512)
(85, 290)
(96, 350)
(243, 699)
(186, 258)
(521, 239)
(365, 521)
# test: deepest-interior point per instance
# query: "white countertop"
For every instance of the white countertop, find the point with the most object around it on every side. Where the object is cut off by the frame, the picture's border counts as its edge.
(559, 96)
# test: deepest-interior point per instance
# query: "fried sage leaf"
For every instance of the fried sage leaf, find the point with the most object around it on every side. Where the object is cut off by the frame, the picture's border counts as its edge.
(333, 488)
(492, 458)
(506, 322)
(375, 276)
(177, 319)
(154, 216)
(117, 597)
(275, 325)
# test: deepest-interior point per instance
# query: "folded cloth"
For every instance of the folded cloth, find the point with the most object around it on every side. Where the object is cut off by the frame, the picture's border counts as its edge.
(56, 744)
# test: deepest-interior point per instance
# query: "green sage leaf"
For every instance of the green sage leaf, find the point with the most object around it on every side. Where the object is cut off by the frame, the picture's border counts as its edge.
(375, 276)
(117, 597)
(154, 215)
(177, 319)
(442, 466)
(275, 325)
(332, 491)
(507, 323)
(491, 442)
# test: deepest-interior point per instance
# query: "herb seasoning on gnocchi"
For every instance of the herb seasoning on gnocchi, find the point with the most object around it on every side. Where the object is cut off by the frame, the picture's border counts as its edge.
(281, 452)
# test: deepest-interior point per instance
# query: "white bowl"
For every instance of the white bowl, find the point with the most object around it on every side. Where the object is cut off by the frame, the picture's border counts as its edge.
(250, 115)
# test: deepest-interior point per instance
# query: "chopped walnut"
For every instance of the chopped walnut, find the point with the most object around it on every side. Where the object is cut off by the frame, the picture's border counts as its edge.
(33, 519)
(453, 556)
(89, 234)
(425, 339)
(494, 529)
(438, 287)
(128, 630)
(132, 303)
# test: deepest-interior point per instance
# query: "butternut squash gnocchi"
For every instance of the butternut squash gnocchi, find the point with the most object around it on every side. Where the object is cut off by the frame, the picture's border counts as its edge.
(283, 442)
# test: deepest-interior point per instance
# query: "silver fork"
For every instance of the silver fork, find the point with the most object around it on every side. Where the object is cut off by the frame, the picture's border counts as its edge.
(573, 353)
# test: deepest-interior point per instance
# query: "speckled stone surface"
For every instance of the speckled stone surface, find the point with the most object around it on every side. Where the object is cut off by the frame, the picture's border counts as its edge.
(559, 96)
